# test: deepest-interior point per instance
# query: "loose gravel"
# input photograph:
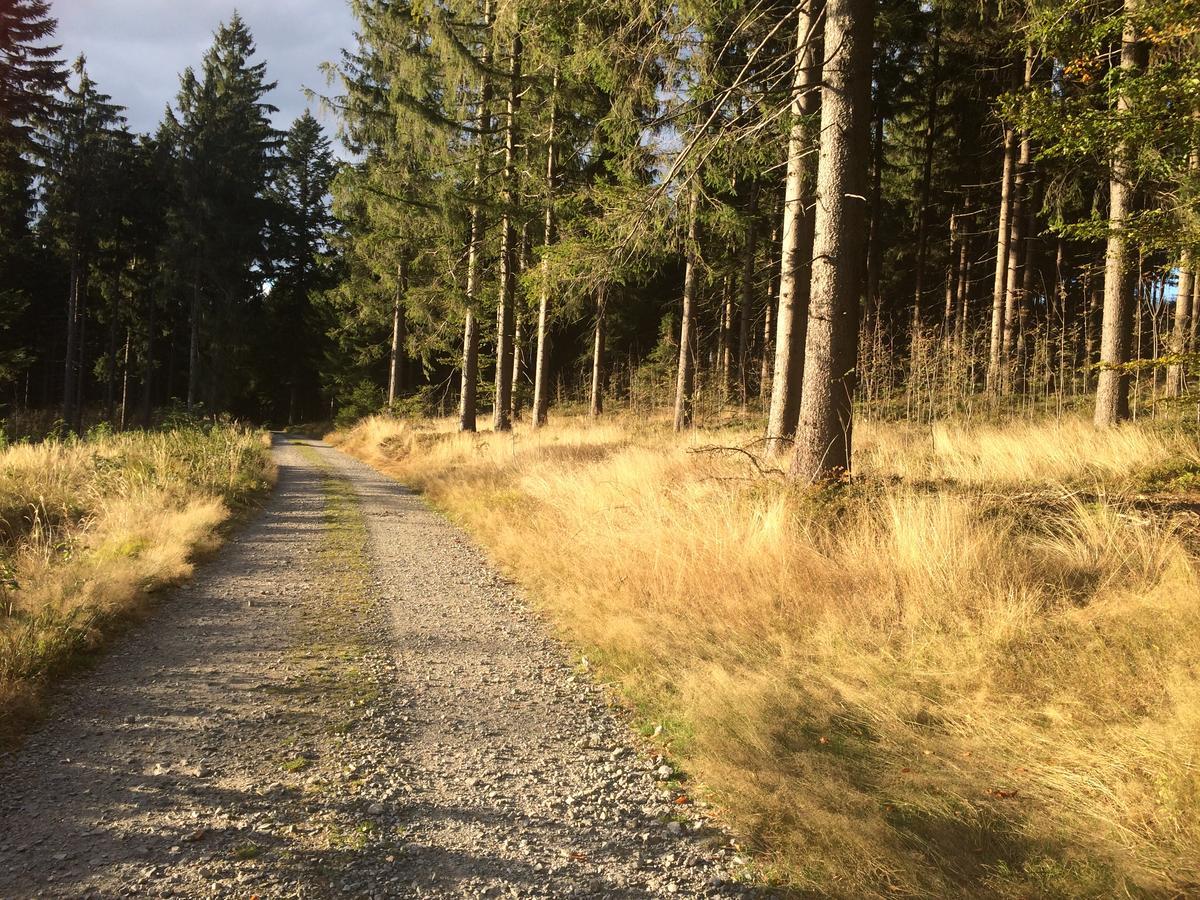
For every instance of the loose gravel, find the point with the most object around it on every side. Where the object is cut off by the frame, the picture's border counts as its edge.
(347, 701)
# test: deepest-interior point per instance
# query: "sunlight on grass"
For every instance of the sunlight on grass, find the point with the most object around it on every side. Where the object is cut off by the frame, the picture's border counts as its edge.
(88, 528)
(988, 689)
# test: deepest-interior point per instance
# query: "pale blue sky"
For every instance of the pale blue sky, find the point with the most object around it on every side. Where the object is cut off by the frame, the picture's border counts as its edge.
(137, 48)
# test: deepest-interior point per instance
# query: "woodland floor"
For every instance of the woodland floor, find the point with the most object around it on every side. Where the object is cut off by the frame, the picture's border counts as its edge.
(346, 701)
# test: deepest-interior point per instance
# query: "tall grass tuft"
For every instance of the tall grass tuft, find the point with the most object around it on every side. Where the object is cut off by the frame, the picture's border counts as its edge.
(971, 672)
(90, 528)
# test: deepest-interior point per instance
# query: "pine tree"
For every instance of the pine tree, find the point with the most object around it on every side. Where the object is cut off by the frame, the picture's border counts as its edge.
(78, 143)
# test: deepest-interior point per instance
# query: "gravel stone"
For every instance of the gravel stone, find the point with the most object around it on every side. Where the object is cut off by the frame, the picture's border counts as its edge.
(213, 752)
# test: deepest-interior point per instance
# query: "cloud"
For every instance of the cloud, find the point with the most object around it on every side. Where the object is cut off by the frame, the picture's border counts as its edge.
(136, 49)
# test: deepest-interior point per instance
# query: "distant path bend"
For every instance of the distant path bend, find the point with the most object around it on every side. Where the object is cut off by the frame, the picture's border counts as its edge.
(347, 701)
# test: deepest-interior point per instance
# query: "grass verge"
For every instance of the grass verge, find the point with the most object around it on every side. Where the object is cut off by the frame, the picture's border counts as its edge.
(90, 529)
(975, 671)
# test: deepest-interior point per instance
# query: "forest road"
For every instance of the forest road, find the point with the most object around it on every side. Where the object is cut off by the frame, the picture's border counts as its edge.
(346, 701)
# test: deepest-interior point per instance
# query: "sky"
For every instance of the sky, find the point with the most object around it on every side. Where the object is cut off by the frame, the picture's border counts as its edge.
(136, 49)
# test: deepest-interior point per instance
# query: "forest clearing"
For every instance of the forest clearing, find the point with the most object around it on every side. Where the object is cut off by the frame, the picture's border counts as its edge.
(600, 448)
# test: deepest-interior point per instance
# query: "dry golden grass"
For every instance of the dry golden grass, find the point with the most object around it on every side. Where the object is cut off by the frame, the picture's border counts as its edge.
(89, 529)
(973, 672)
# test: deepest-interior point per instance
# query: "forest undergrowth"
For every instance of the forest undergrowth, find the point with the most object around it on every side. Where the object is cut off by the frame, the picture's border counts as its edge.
(90, 528)
(972, 671)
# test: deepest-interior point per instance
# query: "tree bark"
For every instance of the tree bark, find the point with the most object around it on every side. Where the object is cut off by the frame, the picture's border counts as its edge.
(1181, 328)
(598, 355)
(72, 351)
(875, 235)
(1017, 246)
(926, 179)
(795, 266)
(1112, 388)
(1003, 236)
(686, 378)
(193, 383)
(502, 412)
(468, 397)
(541, 375)
(747, 298)
(396, 358)
(963, 292)
(824, 437)
(768, 347)
(1184, 325)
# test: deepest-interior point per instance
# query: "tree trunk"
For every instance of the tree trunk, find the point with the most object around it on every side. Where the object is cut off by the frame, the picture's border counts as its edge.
(685, 380)
(1003, 236)
(747, 298)
(502, 412)
(193, 383)
(518, 364)
(725, 354)
(824, 436)
(110, 386)
(467, 407)
(72, 352)
(125, 381)
(926, 179)
(768, 347)
(1018, 222)
(1181, 327)
(396, 357)
(1112, 389)
(874, 240)
(951, 306)
(598, 355)
(541, 375)
(963, 292)
(1186, 313)
(795, 266)
(1029, 267)
(147, 398)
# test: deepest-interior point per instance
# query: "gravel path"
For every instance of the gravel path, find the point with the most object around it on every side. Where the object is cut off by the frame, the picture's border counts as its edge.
(346, 702)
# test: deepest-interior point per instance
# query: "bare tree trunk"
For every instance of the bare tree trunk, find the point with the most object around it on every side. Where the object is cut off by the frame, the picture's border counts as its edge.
(147, 398)
(685, 381)
(125, 380)
(541, 384)
(396, 358)
(110, 386)
(1014, 297)
(1192, 340)
(598, 355)
(193, 383)
(725, 355)
(926, 178)
(1181, 327)
(502, 412)
(72, 352)
(795, 266)
(1025, 338)
(518, 364)
(874, 239)
(768, 348)
(951, 306)
(963, 292)
(1184, 325)
(1112, 389)
(467, 408)
(747, 298)
(1003, 236)
(824, 436)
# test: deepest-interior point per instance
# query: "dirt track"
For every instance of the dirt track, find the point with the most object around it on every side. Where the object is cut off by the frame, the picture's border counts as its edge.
(347, 701)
